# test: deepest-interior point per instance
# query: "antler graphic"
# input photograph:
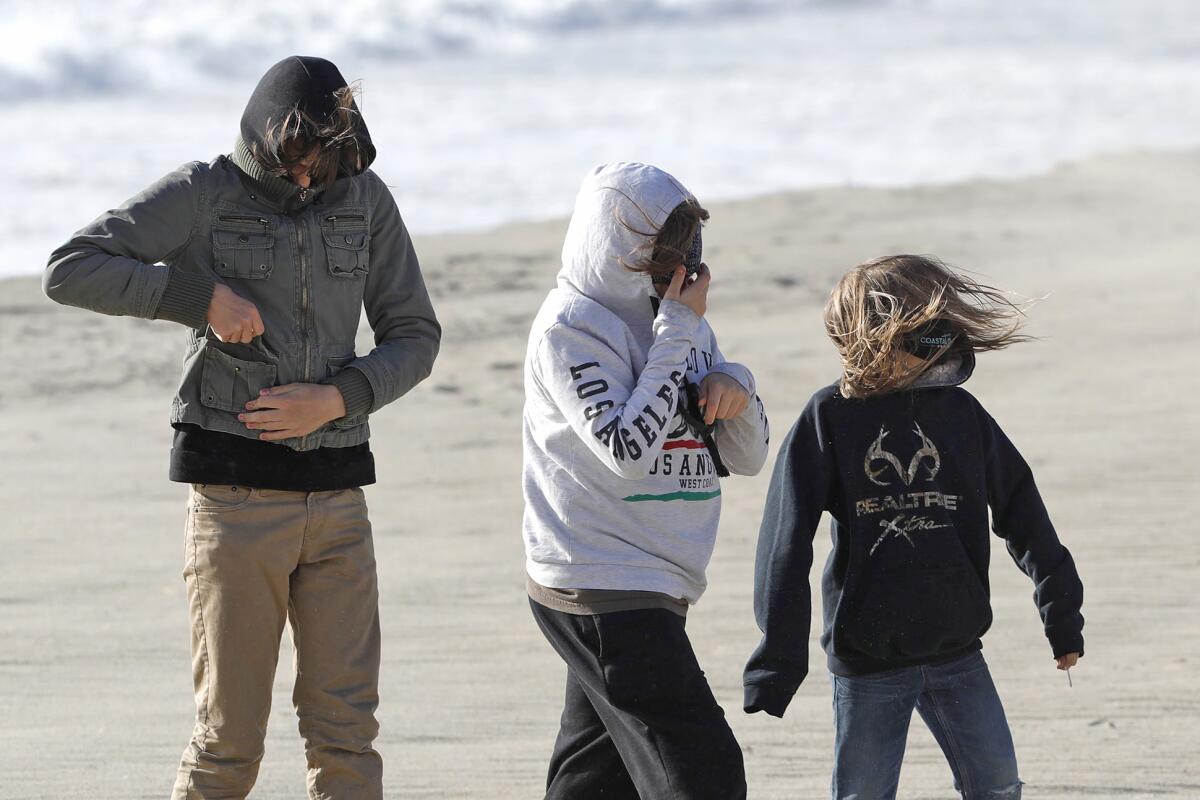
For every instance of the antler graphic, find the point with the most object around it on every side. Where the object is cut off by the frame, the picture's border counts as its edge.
(928, 450)
(876, 453)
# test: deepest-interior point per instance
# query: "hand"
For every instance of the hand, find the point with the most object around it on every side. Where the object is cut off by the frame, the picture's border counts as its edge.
(694, 295)
(293, 410)
(233, 318)
(721, 397)
(1067, 661)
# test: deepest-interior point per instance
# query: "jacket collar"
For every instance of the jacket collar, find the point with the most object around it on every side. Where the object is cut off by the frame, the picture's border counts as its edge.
(278, 190)
(952, 370)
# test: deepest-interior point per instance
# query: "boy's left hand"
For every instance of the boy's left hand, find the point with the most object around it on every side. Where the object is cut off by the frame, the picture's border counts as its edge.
(1067, 661)
(721, 397)
(293, 410)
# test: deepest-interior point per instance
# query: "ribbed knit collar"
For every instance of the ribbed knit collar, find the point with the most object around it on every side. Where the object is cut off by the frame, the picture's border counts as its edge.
(279, 190)
(952, 370)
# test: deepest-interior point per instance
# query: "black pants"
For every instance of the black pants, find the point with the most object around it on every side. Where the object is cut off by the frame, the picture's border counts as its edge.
(639, 720)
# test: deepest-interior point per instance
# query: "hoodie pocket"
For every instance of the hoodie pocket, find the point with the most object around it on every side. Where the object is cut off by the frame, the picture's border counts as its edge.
(347, 245)
(228, 383)
(243, 247)
(913, 612)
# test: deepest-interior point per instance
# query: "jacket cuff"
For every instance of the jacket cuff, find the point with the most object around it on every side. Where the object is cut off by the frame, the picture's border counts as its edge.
(356, 391)
(766, 697)
(1065, 642)
(185, 298)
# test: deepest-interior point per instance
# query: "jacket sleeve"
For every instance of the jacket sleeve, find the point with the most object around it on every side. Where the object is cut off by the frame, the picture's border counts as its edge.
(622, 418)
(113, 265)
(796, 497)
(407, 333)
(742, 440)
(1021, 519)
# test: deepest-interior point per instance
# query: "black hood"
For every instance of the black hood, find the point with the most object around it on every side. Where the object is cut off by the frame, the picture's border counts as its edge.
(308, 83)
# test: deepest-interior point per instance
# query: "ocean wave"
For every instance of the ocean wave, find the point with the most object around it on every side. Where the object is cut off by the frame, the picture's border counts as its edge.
(81, 48)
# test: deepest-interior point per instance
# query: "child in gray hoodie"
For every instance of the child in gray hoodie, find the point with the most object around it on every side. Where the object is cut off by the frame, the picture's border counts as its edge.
(622, 490)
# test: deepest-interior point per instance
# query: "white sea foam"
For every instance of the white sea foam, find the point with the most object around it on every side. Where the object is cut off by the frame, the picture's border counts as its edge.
(487, 112)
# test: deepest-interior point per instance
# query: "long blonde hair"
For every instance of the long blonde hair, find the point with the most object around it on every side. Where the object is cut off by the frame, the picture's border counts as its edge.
(883, 304)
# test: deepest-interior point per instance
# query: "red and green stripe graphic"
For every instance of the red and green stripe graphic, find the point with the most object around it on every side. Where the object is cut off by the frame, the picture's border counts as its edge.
(678, 444)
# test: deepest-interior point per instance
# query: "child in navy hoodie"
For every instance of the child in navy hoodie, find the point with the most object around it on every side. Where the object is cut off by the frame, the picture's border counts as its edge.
(907, 464)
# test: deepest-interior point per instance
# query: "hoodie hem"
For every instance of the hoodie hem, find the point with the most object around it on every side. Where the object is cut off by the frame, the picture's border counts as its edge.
(618, 577)
(849, 667)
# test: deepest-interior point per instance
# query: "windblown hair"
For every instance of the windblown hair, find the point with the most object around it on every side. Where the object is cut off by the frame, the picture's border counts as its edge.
(880, 305)
(289, 140)
(666, 248)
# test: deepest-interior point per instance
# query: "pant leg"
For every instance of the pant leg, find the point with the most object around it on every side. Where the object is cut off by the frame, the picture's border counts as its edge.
(585, 764)
(335, 626)
(240, 546)
(871, 714)
(640, 674)
(963, 711)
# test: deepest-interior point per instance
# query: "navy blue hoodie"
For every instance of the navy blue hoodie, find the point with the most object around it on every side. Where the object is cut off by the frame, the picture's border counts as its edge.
(908, 478)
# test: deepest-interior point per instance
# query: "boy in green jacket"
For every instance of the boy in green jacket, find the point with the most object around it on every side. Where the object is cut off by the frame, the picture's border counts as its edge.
(267, 257)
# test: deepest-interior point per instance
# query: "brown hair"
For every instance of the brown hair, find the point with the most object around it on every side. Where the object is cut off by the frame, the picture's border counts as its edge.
(667, 246)
(289, 140)
(880, 305)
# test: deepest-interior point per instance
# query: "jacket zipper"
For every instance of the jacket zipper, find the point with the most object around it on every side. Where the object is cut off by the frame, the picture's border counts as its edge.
(259, 220)
(334, 219)
(303, 308)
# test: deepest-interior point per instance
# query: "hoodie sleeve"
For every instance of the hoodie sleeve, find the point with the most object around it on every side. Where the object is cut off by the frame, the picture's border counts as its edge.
(407, 333)
(622, 418)
(113, 264)
(742, 440)
(796, 497)
(1019, 517)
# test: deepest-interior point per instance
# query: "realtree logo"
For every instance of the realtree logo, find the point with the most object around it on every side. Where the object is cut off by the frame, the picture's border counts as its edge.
(926, 452)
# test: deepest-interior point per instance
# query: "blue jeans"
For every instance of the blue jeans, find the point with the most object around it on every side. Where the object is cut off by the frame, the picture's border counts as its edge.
(958, 702)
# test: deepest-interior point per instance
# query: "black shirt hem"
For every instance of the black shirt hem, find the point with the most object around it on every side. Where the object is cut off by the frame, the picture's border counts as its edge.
(203, 456)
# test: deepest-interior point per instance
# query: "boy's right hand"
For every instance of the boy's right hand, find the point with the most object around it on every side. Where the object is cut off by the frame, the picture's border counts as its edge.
(233, 318)
(1067, 661)
(694, 295)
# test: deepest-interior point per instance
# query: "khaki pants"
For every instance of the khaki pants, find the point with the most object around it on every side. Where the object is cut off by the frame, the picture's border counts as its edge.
(256, 558)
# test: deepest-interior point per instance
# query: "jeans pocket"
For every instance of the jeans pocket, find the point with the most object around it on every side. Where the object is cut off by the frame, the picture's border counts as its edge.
(212, 497)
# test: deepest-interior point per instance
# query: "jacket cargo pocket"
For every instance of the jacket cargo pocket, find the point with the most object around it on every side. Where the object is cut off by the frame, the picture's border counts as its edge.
(335, 365)
(346, 245)
(243, 247)
(228, 383)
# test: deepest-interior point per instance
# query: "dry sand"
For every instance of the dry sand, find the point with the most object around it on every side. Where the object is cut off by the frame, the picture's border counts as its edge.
(94, 669)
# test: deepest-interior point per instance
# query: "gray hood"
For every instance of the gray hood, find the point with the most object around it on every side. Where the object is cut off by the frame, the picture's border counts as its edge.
(641, 197)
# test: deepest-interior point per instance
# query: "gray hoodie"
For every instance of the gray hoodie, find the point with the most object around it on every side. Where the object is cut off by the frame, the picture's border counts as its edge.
(619, 494)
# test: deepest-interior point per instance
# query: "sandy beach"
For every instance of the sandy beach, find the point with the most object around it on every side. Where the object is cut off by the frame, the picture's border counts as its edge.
(95, 685)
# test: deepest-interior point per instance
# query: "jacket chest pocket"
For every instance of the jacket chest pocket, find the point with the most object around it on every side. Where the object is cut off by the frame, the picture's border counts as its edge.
(347, 244)
(243, 247)
(228, 383)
